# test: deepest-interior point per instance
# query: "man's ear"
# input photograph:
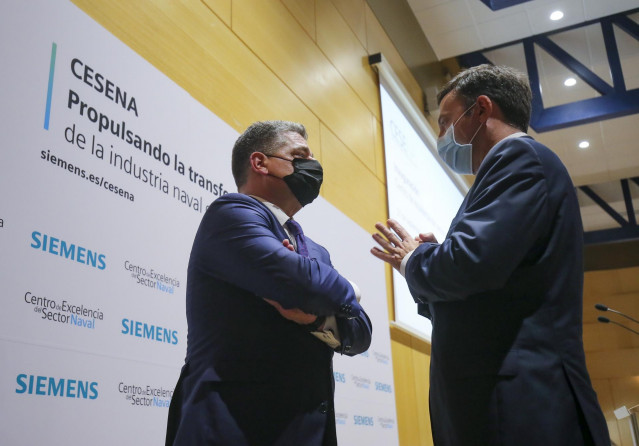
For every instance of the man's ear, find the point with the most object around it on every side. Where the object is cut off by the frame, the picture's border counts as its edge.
(485, 107)
(259, 163)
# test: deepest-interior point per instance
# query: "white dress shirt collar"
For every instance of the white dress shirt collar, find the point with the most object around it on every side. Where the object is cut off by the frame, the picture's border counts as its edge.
(279, 214)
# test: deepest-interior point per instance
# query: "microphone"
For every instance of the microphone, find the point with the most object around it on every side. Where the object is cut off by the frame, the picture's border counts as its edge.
(602, 307)
(605, 320)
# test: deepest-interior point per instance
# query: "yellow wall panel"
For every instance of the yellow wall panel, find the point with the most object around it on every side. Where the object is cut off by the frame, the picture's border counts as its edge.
(380, 156)
(304, 12)
(313, 129)
(599, 337)
(408, 416)
(389, 292)
(354, 12)
(192, 46)
(347, 54)
(619, 363)
(601, 283)
(349, 181)
(221, 8)
(628, 279)
(421, 369)
(276, 37)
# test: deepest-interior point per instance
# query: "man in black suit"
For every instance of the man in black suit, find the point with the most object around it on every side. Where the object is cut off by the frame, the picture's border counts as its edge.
(504, 288)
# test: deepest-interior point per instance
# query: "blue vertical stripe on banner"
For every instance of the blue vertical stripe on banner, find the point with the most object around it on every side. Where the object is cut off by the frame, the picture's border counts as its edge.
(50, 90)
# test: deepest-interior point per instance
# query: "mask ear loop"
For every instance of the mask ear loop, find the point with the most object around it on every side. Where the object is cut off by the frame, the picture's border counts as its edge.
(457, 120)
(473, 138)
(465, 111)
(478, 129)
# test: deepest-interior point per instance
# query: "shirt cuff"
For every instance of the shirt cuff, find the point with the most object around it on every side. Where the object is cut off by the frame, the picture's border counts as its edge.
(402, 267)
(356, 290)
(330, 333)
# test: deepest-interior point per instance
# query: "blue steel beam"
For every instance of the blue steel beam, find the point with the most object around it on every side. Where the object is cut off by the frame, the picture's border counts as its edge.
(603, 205)
(573, 64)
(628, 25)
(612, 52)
(585, 111)
(615, 101)
(474, 59)
(533, 77)
(496, 5)
(611, 235)
(630, 209)
(629, 229)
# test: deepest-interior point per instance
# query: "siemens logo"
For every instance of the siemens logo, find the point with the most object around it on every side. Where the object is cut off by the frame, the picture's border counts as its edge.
(69, 251)
(60, 387)
(363, 421)
(149, 331)
(339, 377)
(383, 387)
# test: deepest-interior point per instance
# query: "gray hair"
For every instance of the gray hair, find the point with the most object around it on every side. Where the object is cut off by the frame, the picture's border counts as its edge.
(505, 86)
(265, 137)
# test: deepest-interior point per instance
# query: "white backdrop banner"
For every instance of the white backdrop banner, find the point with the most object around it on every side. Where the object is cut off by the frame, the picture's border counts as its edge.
(107, 167)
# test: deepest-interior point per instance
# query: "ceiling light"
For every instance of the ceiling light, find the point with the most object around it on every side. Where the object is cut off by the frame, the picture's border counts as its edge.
(584, 144)
(569, 82)
(556, 15)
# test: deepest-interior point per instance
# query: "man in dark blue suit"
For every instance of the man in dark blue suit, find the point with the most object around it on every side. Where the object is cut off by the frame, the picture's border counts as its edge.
(265, 308)
(504, 289)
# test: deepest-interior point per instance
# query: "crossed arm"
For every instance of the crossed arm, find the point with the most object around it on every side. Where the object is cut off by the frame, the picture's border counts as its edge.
(347, 336)
(237, 232)
(293, 314)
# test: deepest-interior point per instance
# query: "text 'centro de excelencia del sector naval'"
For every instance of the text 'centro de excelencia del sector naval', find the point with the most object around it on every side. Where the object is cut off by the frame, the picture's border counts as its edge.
(120, 128)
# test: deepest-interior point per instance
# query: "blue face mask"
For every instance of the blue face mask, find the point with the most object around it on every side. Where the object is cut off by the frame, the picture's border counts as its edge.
(459, 157)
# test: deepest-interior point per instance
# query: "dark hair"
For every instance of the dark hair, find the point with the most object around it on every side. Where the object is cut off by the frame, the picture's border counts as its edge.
(507, 87)
(265, 137)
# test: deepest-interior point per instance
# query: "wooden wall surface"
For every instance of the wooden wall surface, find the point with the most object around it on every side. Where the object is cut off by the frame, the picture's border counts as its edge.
(299, 60)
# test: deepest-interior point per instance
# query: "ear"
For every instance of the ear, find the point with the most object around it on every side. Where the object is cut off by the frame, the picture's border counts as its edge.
(485, 107)
(259, 163)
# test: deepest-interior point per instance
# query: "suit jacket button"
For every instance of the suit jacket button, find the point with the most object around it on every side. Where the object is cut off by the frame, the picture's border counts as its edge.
(347, 348)
(323, 408)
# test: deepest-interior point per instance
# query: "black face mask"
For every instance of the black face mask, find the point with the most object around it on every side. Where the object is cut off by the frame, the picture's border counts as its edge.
(306, 179)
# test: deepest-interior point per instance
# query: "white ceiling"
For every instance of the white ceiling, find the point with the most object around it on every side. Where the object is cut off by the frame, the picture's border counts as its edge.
(455, 27)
